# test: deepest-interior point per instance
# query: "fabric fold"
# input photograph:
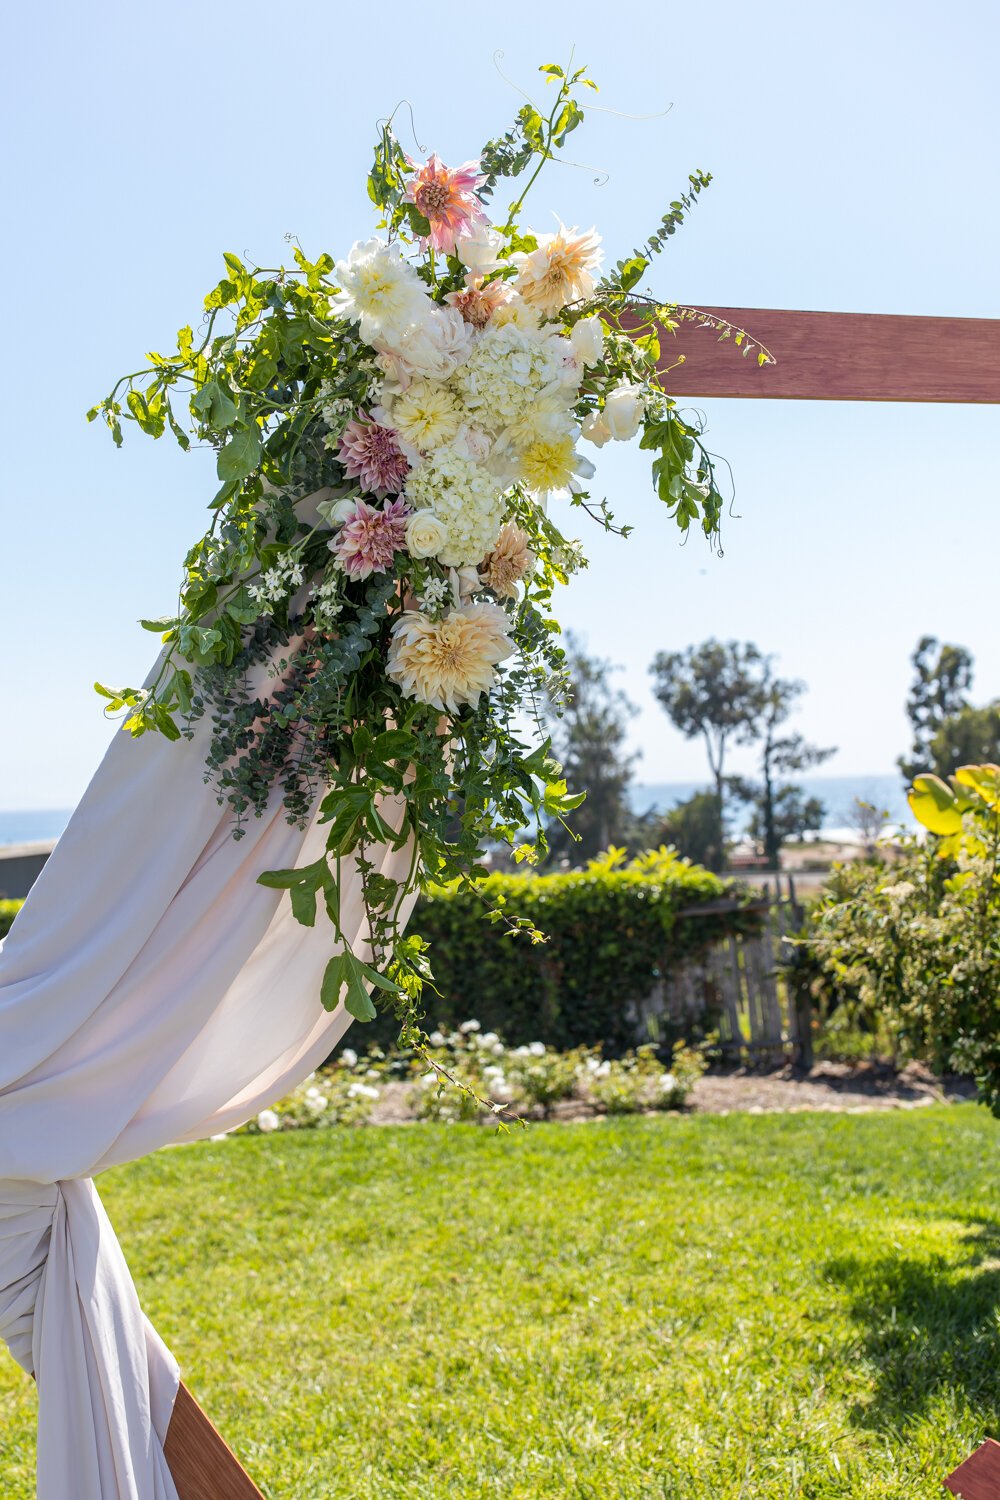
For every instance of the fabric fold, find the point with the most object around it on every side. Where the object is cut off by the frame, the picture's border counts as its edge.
(151, 992)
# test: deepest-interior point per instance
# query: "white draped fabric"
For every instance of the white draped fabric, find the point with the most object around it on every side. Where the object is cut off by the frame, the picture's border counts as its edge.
(150, 992)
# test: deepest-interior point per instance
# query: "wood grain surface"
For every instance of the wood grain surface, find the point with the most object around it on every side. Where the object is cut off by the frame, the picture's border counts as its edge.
(202, 1466)
(831, 356)
(979, 1477)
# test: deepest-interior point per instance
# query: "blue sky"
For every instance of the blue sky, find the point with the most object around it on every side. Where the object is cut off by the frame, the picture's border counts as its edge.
(855, 158)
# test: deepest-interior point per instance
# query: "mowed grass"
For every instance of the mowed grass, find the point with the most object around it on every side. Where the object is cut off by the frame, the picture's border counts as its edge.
(668, 1307)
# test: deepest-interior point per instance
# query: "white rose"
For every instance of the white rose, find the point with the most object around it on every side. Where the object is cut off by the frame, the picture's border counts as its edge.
(268, 1120)
(471, 442)
(623, 410)
(464, 582)
(336, 512)
(479, 250)
(587, 338)
(426, 534)
(434, 347)
(595, 429)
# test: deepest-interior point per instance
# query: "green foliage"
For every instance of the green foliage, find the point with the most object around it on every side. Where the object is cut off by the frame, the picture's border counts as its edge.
(913, 948)
(589, 727)
(796, 1307)
(942, 677)
(691, 827)
(966, 737)
(610, 930)
(8, 911)
(629, 272)
(713, 692)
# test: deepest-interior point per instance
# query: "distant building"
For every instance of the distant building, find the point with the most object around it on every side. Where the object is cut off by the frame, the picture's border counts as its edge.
(20, 867)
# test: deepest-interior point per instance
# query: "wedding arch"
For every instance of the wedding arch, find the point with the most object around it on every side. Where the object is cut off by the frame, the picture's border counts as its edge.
(340, 705)
(819, 356)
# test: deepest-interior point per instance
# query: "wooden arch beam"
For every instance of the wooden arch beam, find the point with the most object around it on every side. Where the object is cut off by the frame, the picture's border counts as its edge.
(830, 356)
(819, 356)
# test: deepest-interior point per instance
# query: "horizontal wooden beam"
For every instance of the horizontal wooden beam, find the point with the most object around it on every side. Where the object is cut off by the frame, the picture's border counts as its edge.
(830, 356)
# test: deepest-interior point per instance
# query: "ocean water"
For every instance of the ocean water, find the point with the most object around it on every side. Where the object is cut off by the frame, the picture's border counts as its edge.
(837, 793)
(29, 827)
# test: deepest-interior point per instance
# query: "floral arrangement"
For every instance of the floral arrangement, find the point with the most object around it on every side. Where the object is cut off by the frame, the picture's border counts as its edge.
(402, 439)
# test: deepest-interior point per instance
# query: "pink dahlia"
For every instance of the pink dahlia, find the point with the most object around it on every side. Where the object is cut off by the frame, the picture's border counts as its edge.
(369, 539)
(477, 303)
(371, 453)
(447, 199)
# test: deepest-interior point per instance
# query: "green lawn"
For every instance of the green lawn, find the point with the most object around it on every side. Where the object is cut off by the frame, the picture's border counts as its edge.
(701, 1309)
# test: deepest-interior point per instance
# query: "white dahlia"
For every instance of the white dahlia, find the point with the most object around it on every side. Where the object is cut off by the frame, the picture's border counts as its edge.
(378, 290)
(449, 662)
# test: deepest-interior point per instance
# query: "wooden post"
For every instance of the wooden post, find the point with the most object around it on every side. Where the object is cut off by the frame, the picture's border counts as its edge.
(979, 1477)
(202, 1466)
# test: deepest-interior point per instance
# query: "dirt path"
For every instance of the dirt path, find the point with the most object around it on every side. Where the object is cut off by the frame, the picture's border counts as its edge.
(830, 1086)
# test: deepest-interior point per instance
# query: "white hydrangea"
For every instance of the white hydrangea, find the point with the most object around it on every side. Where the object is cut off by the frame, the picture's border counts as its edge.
(509, 369)
(465, 498)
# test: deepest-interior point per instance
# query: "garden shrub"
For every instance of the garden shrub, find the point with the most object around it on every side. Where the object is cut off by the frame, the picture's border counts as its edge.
(8, 911)
(612, 930)
(911, 949)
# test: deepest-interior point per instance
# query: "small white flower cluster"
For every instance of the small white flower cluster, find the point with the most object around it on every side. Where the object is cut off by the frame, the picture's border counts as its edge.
(336, 412)
(327, 603)
(278, 582)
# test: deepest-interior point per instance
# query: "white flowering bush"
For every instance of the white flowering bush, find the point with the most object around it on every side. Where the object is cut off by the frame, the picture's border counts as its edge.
(343, 1094)
(533, 1079)
(639, 1081)
(398, 441)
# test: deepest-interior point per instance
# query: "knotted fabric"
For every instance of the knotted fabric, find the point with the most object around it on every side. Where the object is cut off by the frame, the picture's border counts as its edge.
(151, 992)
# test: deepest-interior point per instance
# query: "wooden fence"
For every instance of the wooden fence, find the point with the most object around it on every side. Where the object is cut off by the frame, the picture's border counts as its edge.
(735, 989)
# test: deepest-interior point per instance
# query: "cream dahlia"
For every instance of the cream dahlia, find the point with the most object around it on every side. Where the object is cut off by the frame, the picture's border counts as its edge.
(552, 464)
(447, 199)
(510, 560)
(426, 415)
(449, 662)
(560, 270)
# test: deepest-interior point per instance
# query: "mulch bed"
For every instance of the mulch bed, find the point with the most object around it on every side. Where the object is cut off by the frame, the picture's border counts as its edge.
(832, 1087)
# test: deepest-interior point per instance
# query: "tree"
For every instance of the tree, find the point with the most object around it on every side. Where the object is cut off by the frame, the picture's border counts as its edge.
(691, 827)
(867, 820)
(589, 737)
(780, 811)
(713, 691)
(942, 676)
(969, 737)
(792, 815)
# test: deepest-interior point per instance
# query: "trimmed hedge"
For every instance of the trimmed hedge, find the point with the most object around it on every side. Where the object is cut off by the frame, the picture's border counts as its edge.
(613, 930)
